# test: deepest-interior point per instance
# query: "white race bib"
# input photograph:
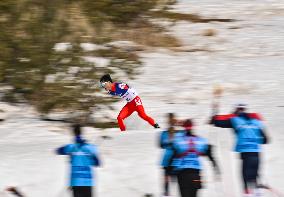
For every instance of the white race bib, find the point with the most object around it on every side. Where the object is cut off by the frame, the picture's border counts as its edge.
(129, 95)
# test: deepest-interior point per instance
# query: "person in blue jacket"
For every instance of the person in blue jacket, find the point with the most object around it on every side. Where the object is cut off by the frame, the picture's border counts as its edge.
(188, 148)
(83, 156)
(250, 134)
(165, 142)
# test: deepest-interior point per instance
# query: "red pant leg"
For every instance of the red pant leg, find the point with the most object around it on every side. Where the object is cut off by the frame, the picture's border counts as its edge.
(141, 111)
(126, 111)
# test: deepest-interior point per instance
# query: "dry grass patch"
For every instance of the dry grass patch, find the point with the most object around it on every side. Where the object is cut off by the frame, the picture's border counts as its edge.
(147, 36)
(190, 49)
(143, 33)
(195, 18)
(209, 32)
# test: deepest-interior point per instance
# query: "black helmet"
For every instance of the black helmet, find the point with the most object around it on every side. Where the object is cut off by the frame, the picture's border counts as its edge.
(106, 78)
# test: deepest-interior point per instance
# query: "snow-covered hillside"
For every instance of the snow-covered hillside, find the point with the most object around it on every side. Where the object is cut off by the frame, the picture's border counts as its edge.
(245, 57)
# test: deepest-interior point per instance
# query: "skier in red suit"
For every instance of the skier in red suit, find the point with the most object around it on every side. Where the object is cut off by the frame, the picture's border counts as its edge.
(127, 93)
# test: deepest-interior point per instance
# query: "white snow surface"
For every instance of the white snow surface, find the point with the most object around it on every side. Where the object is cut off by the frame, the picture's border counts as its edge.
(98, 61)
(63, 46)
(247, 61)
(92, 47)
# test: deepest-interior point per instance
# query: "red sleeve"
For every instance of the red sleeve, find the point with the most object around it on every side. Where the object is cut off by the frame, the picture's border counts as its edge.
(255, 116)
(229, 116)
(113, 88)
(224, 117)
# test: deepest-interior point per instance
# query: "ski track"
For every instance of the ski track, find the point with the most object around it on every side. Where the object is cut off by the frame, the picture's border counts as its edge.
(246, 61)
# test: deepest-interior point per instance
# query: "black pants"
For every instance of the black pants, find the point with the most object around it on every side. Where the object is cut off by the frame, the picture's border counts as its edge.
(250, 167)
(82, 191)
(169, 175)
(189, 182)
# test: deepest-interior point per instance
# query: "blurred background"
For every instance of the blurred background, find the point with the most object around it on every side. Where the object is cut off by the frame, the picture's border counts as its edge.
(173, 52)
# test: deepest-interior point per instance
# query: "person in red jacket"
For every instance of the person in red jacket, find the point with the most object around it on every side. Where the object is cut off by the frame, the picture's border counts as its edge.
(127, 93)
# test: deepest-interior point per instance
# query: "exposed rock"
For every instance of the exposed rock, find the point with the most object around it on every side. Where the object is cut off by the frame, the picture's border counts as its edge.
(209, 32)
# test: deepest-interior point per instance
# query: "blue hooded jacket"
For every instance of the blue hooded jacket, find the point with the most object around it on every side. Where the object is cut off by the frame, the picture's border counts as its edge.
(188, 150)
(166, 143)
(83, 157)
(248, 127)
(249, 136)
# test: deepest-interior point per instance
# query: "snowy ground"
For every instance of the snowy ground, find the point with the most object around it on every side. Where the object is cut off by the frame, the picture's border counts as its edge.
(246, 59)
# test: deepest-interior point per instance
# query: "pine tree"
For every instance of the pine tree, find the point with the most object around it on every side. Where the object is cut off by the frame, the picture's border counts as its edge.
(29, 31)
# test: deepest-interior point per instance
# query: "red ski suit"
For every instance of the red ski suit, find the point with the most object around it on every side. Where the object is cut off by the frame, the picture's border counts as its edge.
(134, 103)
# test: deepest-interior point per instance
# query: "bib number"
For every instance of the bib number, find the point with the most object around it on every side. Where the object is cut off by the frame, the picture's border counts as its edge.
(122, 86)
(138, 101)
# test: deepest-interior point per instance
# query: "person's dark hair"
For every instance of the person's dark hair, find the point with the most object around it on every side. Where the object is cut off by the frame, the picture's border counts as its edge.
(188, 122)
(239, 111)
(240, 108)
(171, 115)
(77, 129)
(106, 78)
(171, 119)
(188, 126)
